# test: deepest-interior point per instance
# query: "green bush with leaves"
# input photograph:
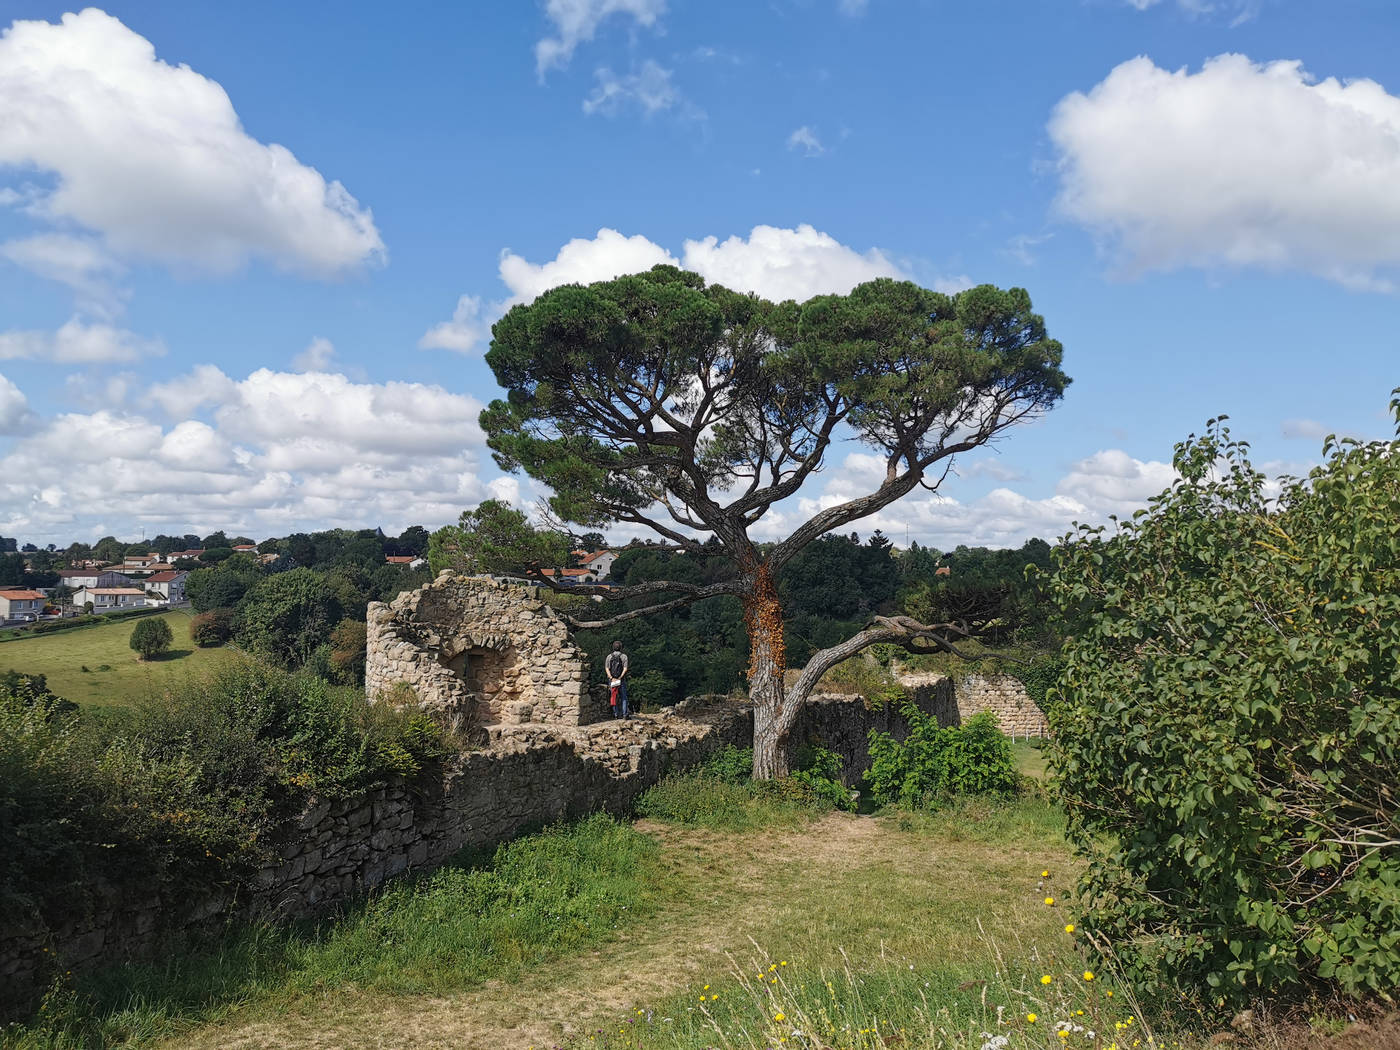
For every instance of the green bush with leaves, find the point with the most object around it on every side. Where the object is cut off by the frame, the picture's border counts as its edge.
(177, 797)
(1227, 728)
(933, 762)
(151, 638)
(212, 628)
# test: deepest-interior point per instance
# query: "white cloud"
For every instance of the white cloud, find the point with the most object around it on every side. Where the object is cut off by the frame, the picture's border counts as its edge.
(1108, 482)
(154, 159)
(774, 262)
(1239, 164)
(278, 451)
(1240, 11)
(805, 139)
(317, 357)
(14, 407)
(581, 261)
(79, 262)
(779, 263)
(463, 333)
(78, 343)
(649, 89)
(576, 22)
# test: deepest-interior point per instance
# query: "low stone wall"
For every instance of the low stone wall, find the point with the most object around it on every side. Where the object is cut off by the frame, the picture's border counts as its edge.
(955, 700)
(525, 777)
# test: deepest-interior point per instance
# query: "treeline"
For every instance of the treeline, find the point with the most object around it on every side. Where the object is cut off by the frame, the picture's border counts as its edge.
(305, 607)
(829, 592)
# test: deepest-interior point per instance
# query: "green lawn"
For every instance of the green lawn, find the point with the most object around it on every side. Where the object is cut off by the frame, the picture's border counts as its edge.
(1030, 758)
(96, 666)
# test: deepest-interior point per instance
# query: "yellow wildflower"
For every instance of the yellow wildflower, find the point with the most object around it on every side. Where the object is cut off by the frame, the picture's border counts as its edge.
(1088, 975)
(1049, 900)
(1046, 979)
(780, 1016)
(1069, 927)
(1030, 1018)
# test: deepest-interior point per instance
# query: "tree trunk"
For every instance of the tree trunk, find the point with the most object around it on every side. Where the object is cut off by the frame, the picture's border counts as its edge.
(772, 722)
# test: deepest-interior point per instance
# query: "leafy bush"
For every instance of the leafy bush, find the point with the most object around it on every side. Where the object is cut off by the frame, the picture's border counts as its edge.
(1227, 732)
(178, 796)
(733, 765)
(212, 628)
(819, 770)
(151, 638)
(933, 763)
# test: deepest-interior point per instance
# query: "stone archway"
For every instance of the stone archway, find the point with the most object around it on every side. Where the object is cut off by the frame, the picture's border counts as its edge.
(477, 653)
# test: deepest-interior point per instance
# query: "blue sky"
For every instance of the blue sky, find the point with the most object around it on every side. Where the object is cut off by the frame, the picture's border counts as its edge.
(249, 254)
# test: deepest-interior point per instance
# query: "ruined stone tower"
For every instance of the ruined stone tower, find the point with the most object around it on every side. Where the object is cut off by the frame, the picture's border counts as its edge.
(478, 652)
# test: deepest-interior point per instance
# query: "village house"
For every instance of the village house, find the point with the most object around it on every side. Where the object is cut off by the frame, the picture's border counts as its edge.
(569, 577)
(599, 563)
(409, 560)
(139, 561)
(77, 578)
(110, 599)
(20, 604)
(169, 584)
(246, 548)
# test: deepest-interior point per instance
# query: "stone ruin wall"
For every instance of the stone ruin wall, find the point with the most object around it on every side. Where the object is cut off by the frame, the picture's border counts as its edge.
(955, 700)
(478, 653)
(528, 776)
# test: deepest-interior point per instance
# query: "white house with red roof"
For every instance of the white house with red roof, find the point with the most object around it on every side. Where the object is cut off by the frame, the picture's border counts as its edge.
(599, 563)
(169, 584)
(17, 604)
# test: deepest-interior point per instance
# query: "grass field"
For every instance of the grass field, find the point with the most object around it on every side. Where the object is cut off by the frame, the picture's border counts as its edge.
(114, 675)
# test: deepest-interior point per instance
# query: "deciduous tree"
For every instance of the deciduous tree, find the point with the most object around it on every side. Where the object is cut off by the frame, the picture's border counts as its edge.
(658, 401)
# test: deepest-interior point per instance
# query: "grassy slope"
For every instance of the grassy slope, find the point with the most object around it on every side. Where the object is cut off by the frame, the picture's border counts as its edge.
(885, 892)
(62, 655)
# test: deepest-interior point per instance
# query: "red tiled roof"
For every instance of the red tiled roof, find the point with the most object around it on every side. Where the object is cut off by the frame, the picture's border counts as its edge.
(566, 572)
(114, 590)
(21, 596)
(166, 576)
(400, 559)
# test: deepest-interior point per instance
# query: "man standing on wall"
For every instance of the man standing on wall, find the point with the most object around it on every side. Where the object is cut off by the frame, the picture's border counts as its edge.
(616, 667)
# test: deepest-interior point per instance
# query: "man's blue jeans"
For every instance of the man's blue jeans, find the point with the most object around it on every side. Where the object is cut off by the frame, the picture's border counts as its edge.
(620, 711)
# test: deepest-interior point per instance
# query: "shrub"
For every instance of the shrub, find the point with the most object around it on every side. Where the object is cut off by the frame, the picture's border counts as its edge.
(933, 763)
(212, 628)
(151, 637)
(176, 798)
(819, 770)
(733, 765)
(1228, 727)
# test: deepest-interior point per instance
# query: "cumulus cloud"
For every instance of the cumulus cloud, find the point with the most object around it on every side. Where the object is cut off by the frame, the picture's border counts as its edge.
(576, 22)
(805, 139)
(14, 408)
(774, 262)
(152, 157)
(1239, 164)
(1108, 482)
(779, 263)
(317, 357)
(464, 333)
(78, 342)
(650, 90)
(274, 452)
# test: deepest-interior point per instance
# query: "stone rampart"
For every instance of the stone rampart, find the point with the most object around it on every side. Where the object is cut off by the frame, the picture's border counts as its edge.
(526, 776)
(955, 700)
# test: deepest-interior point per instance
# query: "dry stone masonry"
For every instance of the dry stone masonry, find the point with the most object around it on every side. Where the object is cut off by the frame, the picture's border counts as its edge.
(477, 652)
(955, 700)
